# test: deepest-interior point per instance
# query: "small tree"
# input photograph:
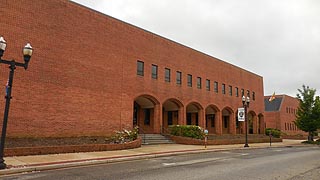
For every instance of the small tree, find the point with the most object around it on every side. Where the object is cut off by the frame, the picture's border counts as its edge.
(308, 115)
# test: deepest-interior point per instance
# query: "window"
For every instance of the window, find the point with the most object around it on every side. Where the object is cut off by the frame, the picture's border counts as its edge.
(223, 89)
(189, 80)
(248, 93)
(199, 82)
(253, 96)
(208, 85)
(216, 87)
(237, 92)
(225, 121)
(179, 77)
(242, 92)
(154, 71)
(170, 115)
(147, 116)
(140, 68)
(230, 90)
(167, 74)
(212, 120)
(189, 120)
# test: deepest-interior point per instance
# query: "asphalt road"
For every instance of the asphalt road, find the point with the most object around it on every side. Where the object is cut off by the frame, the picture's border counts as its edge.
(290, 163)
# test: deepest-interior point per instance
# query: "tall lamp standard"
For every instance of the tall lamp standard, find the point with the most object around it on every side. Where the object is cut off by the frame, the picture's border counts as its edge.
(27, 52)
(245, 103)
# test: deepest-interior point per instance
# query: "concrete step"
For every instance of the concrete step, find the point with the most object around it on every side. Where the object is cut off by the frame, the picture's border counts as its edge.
(154, 139)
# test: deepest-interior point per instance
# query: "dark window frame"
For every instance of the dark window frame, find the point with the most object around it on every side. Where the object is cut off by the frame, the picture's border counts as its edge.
(230, 90)
(216, 87)
(223, 88)
(199, 85)
(189, 80)
(237, 91)
(167, 74)
(140, 68)
(154, 71)
(208, 84)
(179, 77)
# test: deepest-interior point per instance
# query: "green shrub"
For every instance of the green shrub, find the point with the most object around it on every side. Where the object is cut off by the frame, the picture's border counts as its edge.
(187, 131)
(274, 132)
(312, 142)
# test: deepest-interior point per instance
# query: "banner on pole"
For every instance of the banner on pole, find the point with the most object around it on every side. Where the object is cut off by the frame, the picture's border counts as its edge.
(241, 115)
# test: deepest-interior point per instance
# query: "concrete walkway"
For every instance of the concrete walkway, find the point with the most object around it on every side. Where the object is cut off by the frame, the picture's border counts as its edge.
(19, 164)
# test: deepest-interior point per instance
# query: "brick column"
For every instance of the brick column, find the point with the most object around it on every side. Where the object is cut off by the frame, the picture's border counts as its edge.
(232, 121)
(255, 124)
(218, 122)
(157, 118)
(202, 118)
(182, 116)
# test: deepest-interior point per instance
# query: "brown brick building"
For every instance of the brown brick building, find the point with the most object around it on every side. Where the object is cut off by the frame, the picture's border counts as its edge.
(281, 114)
(92, 74)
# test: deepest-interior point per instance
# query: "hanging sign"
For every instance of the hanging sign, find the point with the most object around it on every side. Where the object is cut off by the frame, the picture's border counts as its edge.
(241, 115)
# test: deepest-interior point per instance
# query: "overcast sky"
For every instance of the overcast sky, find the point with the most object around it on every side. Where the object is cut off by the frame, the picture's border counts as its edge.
(277, 39)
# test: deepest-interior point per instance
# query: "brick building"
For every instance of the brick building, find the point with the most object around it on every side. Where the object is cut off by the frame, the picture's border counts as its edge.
(92, 74)
(281, 114)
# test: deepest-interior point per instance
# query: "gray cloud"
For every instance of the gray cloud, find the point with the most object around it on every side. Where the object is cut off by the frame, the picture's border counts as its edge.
(277, 39)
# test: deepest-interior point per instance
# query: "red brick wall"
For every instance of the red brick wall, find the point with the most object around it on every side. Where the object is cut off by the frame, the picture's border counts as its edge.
(25, 151)
(82, 77)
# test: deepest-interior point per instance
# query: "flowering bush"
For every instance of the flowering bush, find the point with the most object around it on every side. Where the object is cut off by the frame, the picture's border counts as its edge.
(125, 135)
(187, 131)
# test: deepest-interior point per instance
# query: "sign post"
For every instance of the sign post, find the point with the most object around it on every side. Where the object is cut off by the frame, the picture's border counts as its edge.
(206, 132)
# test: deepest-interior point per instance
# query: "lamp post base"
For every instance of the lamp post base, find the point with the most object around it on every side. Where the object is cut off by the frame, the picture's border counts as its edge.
(246, 145)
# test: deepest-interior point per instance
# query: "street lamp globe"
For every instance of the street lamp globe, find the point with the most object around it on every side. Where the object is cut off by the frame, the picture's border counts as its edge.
(243, 99)
(248, 100)
(27, 53)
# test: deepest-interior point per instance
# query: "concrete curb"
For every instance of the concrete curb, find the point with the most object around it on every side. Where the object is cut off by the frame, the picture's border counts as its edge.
(97, 161)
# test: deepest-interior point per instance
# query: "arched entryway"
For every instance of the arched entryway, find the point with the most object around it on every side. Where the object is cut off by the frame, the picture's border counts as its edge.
(172, 113)
(194, 114)
(252, 123)
(212, 116)
(228, 121)
(146, 113)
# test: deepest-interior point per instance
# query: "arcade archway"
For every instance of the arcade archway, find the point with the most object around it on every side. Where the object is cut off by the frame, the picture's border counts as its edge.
(172, 110)
(146, 113)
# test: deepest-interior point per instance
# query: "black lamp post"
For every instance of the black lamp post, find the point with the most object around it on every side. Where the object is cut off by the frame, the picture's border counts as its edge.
(27, 52)
(245, 103)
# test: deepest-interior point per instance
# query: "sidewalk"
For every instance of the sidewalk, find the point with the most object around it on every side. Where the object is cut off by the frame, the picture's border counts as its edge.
(21, 164)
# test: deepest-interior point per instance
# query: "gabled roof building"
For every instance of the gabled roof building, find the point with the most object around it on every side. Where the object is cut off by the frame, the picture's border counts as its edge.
(280, 113)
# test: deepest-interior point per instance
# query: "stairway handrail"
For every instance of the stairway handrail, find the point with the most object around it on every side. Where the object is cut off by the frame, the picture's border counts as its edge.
(143, 135)
(164, 131)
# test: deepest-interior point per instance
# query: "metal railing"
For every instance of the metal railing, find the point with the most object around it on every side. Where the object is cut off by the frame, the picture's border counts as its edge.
(164, 131)
(141, 132)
